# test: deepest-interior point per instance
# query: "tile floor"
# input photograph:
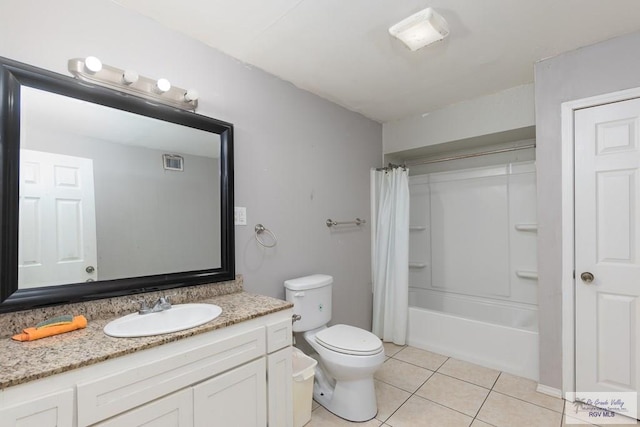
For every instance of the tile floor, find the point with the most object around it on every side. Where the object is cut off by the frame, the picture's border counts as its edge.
(418, 388)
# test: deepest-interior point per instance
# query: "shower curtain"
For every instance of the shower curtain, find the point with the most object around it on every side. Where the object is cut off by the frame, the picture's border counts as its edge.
(390, 252)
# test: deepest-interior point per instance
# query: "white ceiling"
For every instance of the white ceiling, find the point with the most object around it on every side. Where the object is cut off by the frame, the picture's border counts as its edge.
(341, 49)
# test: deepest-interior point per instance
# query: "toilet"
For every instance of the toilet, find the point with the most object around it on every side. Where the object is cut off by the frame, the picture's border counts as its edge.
(348, 356)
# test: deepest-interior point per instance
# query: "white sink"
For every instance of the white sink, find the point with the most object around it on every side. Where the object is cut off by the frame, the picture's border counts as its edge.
(178, 318)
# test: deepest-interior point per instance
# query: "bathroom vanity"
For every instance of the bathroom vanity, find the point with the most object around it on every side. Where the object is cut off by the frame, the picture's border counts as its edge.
(233, 371)
(178, 238)
(172, 231)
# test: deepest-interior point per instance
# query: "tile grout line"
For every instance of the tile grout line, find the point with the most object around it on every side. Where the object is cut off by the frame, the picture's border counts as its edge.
(391, 385)
(473, 418)
(396, 410)
(485, 399)
(429, 400)
(446, 407)
(464, 381)
(532, 403)
(424, 398)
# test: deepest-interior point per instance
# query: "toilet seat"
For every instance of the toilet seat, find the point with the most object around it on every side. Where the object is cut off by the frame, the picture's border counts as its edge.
(347, 339)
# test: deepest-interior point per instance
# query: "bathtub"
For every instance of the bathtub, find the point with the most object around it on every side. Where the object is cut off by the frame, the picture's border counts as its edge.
(490, 333)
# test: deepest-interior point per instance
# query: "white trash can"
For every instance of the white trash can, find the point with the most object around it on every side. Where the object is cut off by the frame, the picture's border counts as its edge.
(303, 374)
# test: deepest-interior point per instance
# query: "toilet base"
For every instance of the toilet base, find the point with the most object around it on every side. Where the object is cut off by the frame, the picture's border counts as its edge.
(352, 400)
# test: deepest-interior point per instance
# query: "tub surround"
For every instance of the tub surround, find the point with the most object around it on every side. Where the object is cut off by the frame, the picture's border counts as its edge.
(22, 362)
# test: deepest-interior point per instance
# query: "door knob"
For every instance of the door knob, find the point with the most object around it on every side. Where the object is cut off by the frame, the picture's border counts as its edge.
(90, 269)
(587, 277)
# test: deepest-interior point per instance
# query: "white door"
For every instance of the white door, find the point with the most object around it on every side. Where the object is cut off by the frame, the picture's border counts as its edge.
(607, 245)
(57, 223)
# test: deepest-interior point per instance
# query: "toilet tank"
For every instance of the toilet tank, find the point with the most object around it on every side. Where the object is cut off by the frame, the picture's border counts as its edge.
(311, 298)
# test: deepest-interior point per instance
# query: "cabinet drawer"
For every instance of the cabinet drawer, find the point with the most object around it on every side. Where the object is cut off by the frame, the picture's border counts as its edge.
(173, 410)
(116, 393)
(279, 335)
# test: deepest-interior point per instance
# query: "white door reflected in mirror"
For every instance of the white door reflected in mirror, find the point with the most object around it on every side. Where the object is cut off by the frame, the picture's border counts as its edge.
(57, 231)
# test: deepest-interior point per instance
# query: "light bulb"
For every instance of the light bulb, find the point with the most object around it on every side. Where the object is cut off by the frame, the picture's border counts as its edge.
(163, 85)
(130, 77)
(191, 95)
(92, 64)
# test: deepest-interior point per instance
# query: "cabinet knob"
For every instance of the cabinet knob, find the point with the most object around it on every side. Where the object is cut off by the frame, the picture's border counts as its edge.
(90, 269)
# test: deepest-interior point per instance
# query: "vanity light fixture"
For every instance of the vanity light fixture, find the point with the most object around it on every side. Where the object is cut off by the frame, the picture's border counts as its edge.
(191, 95)
(163, 85)
(421, 29)
(92, 64)
(92, 70)
(130, 77)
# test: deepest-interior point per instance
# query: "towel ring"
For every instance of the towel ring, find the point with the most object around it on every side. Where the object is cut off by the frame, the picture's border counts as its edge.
(259, 229)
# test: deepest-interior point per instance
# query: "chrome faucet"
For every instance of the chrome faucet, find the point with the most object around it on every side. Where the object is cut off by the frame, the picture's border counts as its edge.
(161, 304)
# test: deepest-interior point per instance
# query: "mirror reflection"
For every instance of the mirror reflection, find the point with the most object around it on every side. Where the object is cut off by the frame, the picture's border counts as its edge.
(107, 194)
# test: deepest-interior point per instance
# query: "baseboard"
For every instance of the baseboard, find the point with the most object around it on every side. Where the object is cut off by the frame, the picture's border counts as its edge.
(550, 391)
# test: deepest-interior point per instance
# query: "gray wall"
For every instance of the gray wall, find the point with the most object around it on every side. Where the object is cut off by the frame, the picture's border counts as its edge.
(148, 220)
(605, 67)
(492, 114)
(299, 158)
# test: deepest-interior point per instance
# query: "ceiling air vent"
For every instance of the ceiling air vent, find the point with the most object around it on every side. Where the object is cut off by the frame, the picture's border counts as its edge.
(173, 162)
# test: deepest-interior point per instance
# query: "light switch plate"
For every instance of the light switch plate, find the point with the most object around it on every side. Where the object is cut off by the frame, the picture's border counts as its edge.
(240, 215)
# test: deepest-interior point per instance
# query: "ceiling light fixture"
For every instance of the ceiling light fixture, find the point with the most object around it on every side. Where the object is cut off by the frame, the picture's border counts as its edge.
(421, 29)
(92, 70)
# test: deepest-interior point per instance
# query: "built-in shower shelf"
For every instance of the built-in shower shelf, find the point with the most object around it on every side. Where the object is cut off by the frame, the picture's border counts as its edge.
(530, 275)
(417, 265)
(417, 227)
(527, 227)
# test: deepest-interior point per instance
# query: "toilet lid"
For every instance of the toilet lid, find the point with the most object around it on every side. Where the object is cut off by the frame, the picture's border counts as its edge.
(349, 340)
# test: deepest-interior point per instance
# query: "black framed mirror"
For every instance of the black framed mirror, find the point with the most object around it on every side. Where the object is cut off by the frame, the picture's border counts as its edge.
(106, 194)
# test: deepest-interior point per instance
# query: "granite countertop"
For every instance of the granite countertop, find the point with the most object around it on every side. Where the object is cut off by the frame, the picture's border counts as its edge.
(22, 362)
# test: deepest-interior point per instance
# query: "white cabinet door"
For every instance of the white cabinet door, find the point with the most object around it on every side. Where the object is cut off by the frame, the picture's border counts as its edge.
(175, 410)
(237, 398)
(607, 218)
(102, 397)
(279, 388)
(54, 410)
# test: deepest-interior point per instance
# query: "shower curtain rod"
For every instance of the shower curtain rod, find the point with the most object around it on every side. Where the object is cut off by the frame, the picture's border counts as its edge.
(391, 166)
(466, 156)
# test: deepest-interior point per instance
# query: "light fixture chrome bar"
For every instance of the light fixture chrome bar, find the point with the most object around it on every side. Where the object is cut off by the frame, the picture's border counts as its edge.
(467, 156)
(129, 82)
